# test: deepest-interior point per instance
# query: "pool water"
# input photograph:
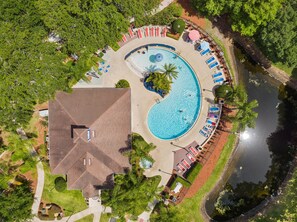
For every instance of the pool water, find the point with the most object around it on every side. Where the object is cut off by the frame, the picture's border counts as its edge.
(178, 111)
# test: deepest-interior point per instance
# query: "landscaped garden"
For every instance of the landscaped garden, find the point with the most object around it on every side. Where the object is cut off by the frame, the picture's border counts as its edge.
(71, 201)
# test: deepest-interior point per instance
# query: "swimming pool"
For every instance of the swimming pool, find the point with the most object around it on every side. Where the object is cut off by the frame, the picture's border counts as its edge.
(178, 111)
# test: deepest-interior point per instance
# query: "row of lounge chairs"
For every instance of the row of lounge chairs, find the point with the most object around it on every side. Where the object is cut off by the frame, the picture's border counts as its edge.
(184, 165)
(148, 31)
(211, 121)
(217, 77)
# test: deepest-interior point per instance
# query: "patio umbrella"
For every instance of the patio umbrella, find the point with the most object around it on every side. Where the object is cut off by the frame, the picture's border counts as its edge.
(194, 35)
(204, 45)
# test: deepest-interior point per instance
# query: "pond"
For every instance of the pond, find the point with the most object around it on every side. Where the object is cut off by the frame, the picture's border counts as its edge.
(262, 157)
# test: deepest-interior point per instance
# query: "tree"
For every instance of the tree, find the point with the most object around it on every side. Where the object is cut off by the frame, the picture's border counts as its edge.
(178, 26)
(246, 116)
(122, 84)
(166, 213)
(279, 38)
(170, 71)
(16, 203)
(224, 91)
(60, 184)
(246, 15)
(160, 82)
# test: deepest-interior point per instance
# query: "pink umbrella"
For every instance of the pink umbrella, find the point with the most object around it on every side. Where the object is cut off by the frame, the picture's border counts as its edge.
(194, 35)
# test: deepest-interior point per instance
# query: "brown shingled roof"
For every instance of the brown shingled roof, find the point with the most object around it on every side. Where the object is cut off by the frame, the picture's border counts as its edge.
(87, 129)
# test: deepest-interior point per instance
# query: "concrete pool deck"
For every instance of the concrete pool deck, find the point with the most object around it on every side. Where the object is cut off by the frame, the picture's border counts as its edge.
(142, 99)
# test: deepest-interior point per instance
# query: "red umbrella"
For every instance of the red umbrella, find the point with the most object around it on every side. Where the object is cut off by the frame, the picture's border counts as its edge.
(194, 35)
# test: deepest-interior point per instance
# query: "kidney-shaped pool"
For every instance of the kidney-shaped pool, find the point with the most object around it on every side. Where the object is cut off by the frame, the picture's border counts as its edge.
(174, 115)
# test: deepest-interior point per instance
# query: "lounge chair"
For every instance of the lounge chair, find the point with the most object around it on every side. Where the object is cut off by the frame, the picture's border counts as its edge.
(181, 167)
(199, 48)
(131, 34)
(146, 32)
(151, 31)
(205, 52)
(217, 75)
(186, 164)
(220, 80)
(212, 115)
(191, 158)
(210, 60)
(157, 31)
(214, 109)
(139, 33)
(211, 122)
(194, 151)
(212, 65)
(203, 133)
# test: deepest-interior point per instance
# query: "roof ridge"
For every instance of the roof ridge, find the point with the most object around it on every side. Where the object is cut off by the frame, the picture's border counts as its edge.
(76, 144)
(116, 101)
(65, 110)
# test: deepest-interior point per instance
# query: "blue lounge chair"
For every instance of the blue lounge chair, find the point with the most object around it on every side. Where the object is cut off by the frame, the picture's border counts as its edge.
(205, 51)
(212, 65)
(210, 60)
(216, 75)
(211, 122)
(203, 133)
(100, 69)
(108, 66)
(214, 109)
(220, 80)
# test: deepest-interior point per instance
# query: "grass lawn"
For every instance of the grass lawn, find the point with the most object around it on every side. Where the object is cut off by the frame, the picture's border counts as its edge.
(220, 43)
(104, 218)
(70, 200)
(190, 207)
(180, 180)
(88, 218)
(192, 174)
(284, 67)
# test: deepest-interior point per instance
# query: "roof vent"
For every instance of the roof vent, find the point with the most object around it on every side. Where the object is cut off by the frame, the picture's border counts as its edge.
(89, 135)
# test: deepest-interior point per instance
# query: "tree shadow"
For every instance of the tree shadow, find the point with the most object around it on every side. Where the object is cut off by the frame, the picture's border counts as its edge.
(294, 73)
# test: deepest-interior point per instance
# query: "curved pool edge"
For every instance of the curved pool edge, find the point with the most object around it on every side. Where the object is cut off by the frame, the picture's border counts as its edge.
(200, 93)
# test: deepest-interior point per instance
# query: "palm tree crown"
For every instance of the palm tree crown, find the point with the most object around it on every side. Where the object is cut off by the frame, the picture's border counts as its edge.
(170, 71)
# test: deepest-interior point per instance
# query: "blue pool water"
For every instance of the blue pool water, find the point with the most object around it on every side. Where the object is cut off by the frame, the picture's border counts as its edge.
(178, 111)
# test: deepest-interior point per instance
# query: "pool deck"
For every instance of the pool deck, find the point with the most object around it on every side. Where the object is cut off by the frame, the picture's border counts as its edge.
(142, 99)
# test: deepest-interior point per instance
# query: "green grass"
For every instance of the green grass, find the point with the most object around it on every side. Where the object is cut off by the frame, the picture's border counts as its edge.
(192, 174)
(104, 217)
(190, 207)
(220, 43)
(180, 180)
(70, 200)
(284, 67)
(88, 218)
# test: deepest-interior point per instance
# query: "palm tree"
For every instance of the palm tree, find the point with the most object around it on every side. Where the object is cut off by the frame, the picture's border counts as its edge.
(246, 116)
(160, 82)
(170, 71)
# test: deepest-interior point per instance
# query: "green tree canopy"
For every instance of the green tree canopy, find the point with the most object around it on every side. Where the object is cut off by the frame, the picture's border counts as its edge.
(279, 38)
(160, 82)
(170, 71)
(122, 84)
(60, 184)
(246, 15)
(16, 203)
(178, 26)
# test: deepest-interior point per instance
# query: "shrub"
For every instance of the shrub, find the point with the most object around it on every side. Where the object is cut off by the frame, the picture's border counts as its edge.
(122, 84)
(178, 26)
(60, 184)
(223, 91)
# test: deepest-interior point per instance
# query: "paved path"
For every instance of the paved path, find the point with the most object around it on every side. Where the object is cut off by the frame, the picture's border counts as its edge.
(39, 188)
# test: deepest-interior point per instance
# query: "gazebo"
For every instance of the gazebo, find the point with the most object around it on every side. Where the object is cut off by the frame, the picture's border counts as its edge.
(194, 35)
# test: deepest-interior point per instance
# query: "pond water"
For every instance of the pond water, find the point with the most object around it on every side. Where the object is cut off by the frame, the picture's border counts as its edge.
(256, 170)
